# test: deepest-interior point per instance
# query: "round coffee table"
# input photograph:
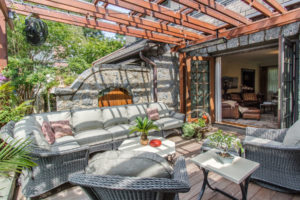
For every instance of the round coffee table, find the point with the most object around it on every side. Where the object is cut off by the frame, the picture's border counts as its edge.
(166, 149)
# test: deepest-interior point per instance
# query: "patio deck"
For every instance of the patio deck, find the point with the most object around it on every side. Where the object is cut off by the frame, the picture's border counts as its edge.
(190, 148)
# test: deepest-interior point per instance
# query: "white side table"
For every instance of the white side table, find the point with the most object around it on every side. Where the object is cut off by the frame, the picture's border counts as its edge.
(166, 149)
(239, 171)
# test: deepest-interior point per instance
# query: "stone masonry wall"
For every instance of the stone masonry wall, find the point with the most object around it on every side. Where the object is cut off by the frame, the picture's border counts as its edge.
(84, 92)
(251, 39)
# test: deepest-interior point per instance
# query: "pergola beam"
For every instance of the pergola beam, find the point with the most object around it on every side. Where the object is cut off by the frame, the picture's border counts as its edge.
(274, 21)
(121, 18)
(259, 7)
(277, 6)
(215, 10)
(92, 23)
(165, 14)
(4, 10)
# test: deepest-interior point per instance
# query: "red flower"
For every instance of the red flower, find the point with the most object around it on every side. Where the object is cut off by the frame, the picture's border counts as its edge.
(204, 117)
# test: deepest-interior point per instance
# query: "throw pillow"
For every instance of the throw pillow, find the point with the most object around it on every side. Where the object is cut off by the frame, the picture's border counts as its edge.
(48, 132)
(292, 137)
(61, 128)
(153, 114)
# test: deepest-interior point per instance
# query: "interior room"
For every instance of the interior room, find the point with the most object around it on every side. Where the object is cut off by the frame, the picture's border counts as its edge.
(250, 88)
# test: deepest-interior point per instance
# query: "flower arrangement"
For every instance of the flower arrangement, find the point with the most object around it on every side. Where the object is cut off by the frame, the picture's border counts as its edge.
(196, 129)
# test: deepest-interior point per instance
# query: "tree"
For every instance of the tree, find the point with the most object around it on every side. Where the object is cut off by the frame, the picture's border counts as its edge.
(29, 67)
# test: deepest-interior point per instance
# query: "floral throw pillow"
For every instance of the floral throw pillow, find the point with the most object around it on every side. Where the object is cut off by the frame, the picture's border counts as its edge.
(61, 128)
(153, 114)
(48, 132)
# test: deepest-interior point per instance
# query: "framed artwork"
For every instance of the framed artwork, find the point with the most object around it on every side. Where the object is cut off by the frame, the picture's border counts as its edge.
(230, 82)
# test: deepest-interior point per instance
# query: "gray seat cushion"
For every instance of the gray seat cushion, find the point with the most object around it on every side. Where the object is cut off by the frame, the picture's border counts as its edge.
(83, 120)
(138, 110)
(64, 140)
(29, 128)
(93, 137)
(162, 108)
(120, 131)
(292, 137)
(256, 140)
(129, 163)
(169, 123)
(114, 116)
(65, 146)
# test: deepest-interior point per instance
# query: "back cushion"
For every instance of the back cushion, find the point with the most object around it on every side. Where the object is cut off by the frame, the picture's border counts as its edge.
(53, 116)
(163, 109)
(83, 120)
(114, 116)
(292, 137)
(249, 97)
(30, 128)
(134, 111)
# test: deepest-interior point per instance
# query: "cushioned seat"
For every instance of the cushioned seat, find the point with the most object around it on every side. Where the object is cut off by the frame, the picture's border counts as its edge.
(65, 146)
(93, 136)
(120, 131)
(64, 140)
(129, 163)
(262, 141)
(169, 123)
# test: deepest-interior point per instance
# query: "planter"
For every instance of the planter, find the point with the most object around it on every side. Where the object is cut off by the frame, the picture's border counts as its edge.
(144, 140)
(225, 157)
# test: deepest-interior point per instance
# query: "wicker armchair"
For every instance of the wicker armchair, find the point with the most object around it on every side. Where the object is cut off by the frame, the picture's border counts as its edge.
(280, 165)
(134, 188)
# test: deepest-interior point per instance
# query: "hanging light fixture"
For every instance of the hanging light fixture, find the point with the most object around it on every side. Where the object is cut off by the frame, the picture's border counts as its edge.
(36, 31)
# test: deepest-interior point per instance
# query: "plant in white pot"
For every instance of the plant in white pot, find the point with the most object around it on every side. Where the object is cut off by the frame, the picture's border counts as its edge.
(143, 126)
(224, 143)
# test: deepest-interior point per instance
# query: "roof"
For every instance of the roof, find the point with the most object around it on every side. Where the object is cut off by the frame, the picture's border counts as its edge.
(123, 53)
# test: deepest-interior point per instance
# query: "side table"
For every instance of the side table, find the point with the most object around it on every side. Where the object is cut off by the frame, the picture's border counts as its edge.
(239, 171)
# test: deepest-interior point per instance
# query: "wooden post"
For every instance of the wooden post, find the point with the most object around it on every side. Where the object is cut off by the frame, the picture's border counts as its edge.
(182, 82)
(212, 88)
(3, 43)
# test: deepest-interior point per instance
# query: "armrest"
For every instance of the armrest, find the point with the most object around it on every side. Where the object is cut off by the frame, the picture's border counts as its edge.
(45, 153)
(177, 115)
(270, 146)
(128, 183)
(180, 172)
(270, 134)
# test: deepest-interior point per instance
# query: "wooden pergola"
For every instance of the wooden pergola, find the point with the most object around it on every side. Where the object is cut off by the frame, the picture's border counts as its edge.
(151, 20)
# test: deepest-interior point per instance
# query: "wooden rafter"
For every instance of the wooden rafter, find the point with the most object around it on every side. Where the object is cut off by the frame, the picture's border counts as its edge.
(4, 10)
(274, 21)
(216, 11)
(92, 23)
(277, 6)
(165, 14)
(259, 7)
(121, 18)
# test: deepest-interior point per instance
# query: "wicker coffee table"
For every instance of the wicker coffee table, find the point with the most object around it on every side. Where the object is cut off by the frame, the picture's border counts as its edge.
(166, 149)
(239, 171)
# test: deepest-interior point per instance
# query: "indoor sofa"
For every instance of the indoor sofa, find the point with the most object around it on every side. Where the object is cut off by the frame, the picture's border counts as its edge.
(94, 130)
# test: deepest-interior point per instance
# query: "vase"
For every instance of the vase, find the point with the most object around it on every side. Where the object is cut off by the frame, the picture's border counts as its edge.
(144, 139)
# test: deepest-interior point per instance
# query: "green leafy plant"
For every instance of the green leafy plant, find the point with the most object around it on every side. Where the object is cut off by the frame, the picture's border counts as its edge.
(10, 109)
(143, 125)
(15, 156)
(225, 142)
(194, 129)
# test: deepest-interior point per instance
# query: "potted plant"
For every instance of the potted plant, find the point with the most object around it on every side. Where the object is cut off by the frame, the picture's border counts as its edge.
(224, 143)
(195, 129)
(143, 126)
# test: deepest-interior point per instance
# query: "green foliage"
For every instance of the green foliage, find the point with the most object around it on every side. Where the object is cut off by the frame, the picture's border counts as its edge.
(14, 156)
(225, 142)
(202, 122)
(10, 109)
(189, 130)
(143, 126)
(31, 68)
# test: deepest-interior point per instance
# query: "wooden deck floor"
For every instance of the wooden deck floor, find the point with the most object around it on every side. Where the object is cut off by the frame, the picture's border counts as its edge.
(190, 148)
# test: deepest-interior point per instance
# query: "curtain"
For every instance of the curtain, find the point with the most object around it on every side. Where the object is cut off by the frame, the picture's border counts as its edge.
(272, 82)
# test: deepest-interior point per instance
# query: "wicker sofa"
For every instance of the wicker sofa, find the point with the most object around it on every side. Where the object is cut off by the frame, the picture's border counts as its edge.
(94, 130)
(278, 152)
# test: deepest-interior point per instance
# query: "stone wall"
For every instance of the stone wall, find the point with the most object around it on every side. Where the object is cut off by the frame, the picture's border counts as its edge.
(253, 39)
(84, 92)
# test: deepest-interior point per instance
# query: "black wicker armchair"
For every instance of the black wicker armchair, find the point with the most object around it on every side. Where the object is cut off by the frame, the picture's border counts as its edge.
(134, 188)
(279, 164)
